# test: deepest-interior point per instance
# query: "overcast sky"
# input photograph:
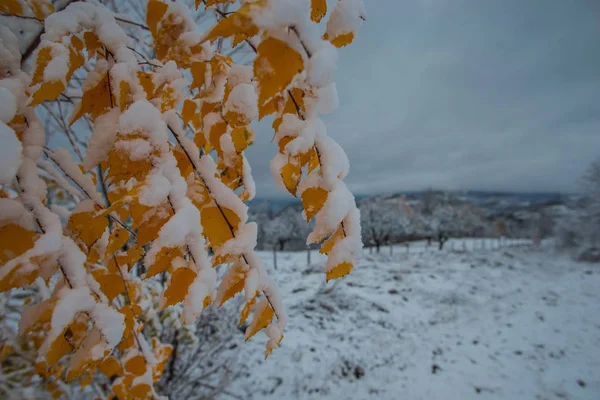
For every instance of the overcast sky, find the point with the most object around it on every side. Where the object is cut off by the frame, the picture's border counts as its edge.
(465, 94)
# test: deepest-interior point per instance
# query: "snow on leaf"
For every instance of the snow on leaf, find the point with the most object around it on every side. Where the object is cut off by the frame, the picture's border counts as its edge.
(328, 244)
(341, 40)
(179, 284)
(263, 315)
(313, 200)
(232, 283)
(163, 260)
(86, 226)
(110, 367)
(96, 99)
(291, 174)
(275, 66)
(135, 365)
(339, 271)
(238, 23)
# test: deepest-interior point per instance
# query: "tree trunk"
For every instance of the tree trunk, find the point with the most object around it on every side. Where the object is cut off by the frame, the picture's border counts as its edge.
(377, 245)
(274, 257)
(281, 244)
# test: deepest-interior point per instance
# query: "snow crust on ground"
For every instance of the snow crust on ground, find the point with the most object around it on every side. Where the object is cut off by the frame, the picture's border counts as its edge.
(493, 323)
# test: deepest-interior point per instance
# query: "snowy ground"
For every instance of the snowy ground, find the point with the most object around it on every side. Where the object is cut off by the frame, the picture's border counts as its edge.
(509, 323)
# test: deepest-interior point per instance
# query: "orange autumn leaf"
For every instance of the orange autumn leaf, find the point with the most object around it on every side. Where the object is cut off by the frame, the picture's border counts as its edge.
(275, 66)
(318, 9)
(339, 270)
(291, 174)
(219, 224)
(263, 315)
(179, 284)
(313, 200)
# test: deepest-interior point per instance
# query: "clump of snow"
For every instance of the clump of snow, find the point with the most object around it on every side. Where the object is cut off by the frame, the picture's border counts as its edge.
(347, 17)
(243, 100)
(8, 105)
(10, 153)
(103, 137)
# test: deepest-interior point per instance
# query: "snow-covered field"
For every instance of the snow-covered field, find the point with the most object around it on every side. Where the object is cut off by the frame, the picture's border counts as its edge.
(502, 323)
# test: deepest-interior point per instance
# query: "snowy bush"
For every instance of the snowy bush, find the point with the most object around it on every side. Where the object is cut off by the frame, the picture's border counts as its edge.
(138, 129)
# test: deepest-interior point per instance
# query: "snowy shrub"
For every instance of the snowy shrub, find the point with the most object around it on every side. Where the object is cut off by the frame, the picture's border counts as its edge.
(124, 180)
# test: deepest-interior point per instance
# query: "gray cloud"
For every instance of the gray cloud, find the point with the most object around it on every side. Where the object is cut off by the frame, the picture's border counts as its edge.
(465, 94)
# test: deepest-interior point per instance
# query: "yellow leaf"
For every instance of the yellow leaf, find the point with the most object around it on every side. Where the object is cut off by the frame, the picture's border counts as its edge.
(188, 110)
(291, 174)
(161, 354)
(58, 349)
(241, 138)
(248, 307)
(213, 2)
(199, 140)
(180, 282)
(262, 318)
(76, 58)
(146, 83)
(92, 42)
(87, 227)
(136, 365)
(12, 7)
(216, 131)
(275, 66)
(14, 241)
(42, 8)
(219, 224)
(163, 260)
(123, 168)
(47, 91)
(339, 271)
(156, 10)
(140, 391)
(198, 70)
(318, 9)
(87, 380)
(134, 254)
(341, 40)
(117, 239)
(149, 220)
(332, 240)
(43, 58)
(123, 95)
(240, 23)
(232, 283)
(183, 162)
(313, 200)
(268, 108)
(110, 367)
(111, 284)
(95, 101)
